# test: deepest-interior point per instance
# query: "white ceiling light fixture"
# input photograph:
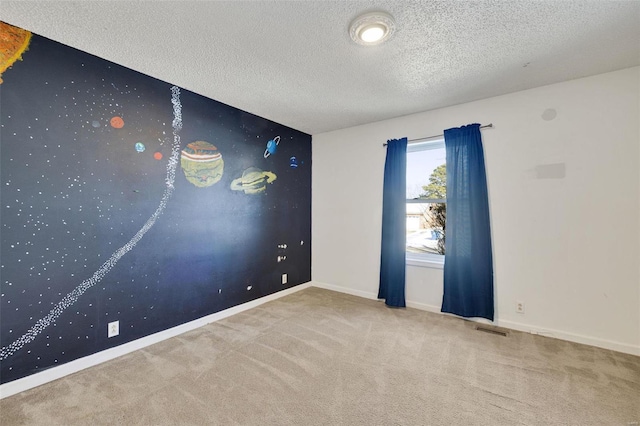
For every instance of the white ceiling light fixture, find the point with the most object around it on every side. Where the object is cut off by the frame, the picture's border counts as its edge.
(372, 28)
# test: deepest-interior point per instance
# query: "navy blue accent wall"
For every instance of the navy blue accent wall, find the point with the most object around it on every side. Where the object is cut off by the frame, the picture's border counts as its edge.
(85, 147)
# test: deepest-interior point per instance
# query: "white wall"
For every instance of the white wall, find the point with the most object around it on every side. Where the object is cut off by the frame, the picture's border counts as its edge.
(568, 248)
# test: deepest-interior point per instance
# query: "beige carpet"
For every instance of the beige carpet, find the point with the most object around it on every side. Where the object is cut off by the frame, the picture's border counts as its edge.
(323, 358)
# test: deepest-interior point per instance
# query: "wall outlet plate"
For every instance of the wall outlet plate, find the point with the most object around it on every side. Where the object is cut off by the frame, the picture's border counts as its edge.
(113, 329)
(520, 307)
(284, 278)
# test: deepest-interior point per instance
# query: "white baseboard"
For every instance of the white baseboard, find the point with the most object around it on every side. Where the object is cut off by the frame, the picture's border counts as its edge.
(572, 337)
(346, 290)
(29, 382)
(556, 334)
(373, 296)
(423, 307)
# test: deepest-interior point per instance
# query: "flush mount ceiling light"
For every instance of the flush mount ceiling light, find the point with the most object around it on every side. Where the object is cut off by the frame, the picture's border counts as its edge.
(372, 28)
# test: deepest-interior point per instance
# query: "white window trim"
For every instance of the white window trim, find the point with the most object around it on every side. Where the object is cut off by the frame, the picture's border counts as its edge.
(425, 260)
(426, 145)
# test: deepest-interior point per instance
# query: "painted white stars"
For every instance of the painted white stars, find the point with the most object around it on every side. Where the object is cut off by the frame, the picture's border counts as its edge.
(74, 295)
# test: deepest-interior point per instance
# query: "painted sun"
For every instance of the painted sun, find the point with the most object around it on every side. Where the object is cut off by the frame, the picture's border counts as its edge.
(13, 43)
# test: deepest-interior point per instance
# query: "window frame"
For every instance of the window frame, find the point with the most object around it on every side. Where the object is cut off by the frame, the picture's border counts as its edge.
(425, 260)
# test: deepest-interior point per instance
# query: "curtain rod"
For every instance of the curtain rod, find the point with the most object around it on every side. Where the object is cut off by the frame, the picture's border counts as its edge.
(436, 136)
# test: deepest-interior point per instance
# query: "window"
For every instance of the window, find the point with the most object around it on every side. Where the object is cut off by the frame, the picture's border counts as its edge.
(426, 203)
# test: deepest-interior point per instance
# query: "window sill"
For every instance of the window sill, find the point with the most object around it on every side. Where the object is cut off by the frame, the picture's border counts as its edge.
(435, 262)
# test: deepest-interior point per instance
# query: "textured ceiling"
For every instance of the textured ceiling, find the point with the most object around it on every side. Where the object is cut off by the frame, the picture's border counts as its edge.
(294, 63)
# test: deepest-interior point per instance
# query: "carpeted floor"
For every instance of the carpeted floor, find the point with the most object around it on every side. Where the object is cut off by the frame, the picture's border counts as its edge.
(318, 357)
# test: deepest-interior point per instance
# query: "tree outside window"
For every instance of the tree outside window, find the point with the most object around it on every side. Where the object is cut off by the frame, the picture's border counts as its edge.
(437, 212)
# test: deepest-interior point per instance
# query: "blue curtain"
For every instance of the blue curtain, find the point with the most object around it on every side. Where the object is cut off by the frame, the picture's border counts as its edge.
(392, 258)
(468, 264)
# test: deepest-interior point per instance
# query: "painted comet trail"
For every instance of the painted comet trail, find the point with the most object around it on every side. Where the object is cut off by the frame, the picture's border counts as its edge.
(74, 295)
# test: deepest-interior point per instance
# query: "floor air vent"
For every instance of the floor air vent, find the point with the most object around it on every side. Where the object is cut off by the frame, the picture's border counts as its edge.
(492, 330)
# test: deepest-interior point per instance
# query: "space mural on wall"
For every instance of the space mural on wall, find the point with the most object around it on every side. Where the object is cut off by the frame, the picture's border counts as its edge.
(127, 199)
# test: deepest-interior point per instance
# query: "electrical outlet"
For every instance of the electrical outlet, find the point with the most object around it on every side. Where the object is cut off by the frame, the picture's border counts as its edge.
(113, 329)
(520, 307)
(284, 278)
